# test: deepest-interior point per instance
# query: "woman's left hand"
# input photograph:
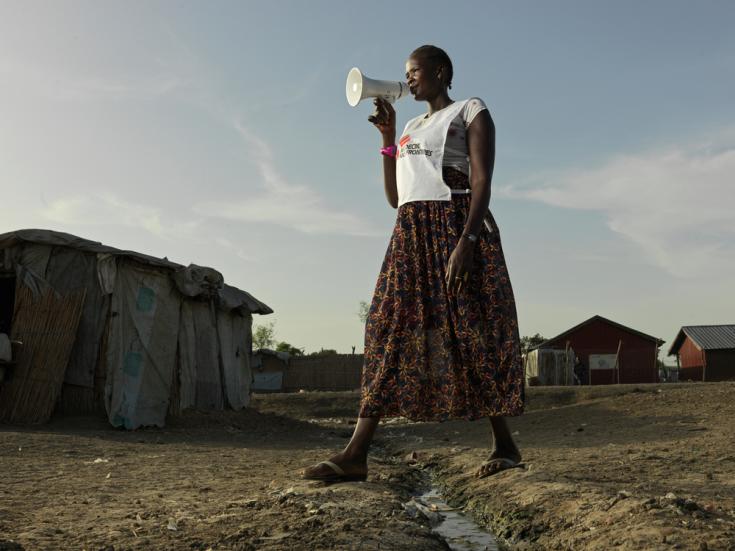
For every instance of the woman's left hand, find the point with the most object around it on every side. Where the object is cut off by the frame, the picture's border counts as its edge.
(460, 266)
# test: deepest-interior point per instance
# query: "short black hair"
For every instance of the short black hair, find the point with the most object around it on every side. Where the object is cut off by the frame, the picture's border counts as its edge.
(436, 56)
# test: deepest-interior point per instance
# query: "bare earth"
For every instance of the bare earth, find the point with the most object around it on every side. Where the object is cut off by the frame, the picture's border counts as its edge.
(619, 467)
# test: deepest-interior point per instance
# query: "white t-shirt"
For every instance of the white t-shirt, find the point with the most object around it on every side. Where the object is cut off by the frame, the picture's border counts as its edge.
(456, 154)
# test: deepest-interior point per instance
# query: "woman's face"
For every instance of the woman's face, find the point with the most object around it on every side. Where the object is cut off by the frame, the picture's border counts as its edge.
(422, 79)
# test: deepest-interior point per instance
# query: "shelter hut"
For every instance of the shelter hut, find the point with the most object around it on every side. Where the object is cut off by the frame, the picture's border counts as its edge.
(104, 329)
(610, 352)
(705, 352)
(269, 369)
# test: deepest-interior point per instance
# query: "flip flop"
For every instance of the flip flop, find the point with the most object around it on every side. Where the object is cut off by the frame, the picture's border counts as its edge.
(504, 463)
(338, 475)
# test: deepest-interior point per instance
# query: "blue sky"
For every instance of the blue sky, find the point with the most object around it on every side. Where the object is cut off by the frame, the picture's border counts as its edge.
(218, 134)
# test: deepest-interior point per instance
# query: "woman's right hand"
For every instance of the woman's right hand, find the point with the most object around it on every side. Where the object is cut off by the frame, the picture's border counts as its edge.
(385, 119)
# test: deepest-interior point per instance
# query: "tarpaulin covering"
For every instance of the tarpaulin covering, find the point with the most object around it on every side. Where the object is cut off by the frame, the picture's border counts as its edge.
(30, 267)
(141, 346)
(72, 271)
(187, 358)
(209, 391)
(235, 354)
(228, 297)
(272, 380)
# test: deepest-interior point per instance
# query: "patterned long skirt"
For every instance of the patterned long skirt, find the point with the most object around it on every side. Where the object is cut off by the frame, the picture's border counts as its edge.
(431, 356)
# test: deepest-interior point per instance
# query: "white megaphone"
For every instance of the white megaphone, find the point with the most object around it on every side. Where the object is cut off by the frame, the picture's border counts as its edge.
(360, 87)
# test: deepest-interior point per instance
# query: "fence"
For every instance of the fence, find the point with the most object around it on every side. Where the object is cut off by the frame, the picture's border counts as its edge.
(333, 372)
(545, 366)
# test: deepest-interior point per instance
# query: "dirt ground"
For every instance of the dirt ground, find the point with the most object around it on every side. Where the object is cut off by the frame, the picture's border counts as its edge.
(619, 467)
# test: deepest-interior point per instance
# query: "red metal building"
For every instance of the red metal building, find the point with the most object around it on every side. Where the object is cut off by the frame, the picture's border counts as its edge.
(705, 352)
(636, 353)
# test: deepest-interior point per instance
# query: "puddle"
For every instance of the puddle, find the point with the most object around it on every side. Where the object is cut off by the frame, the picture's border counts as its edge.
(460, 532)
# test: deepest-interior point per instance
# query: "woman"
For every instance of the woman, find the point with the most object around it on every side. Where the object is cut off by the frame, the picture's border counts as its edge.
(441, 339)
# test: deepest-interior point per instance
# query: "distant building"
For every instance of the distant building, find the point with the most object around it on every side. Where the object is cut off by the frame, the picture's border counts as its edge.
(610, 352)
(705, 352)
(269, 368)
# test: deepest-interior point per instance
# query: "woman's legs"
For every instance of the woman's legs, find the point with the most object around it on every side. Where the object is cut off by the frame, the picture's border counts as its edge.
(361, 439)
(353, 459)
(502, 439)
(503, 447)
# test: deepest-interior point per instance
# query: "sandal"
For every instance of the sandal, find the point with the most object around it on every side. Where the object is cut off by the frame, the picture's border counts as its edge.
(338, 474)
(501, 464)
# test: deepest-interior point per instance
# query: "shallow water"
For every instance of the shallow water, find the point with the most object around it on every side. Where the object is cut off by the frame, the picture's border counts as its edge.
(460, 532)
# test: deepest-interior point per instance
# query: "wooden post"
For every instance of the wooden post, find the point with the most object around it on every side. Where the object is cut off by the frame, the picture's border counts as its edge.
(566, 363)
(589, 370)
(617, 361)
(655, 362)
(704, 364)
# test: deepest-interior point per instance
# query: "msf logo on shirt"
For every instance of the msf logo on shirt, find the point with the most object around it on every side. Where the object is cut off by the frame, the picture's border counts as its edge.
(408, 148)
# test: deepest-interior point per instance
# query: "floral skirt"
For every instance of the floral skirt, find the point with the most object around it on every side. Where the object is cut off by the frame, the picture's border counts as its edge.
(430, 356)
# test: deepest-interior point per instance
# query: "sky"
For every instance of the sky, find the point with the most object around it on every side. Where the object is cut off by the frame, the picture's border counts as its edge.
(218, 133)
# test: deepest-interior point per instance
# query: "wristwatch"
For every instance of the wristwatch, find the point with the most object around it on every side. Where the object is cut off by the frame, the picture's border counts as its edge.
(471, 236)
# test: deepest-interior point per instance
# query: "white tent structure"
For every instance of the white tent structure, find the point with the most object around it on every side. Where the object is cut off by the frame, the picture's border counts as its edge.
(142, 337)
(547, 367)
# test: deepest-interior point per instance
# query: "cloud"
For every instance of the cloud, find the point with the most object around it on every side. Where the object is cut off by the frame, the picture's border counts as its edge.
(237, 250)
(295, 206)
(185, 78)
(101, 211)
(106, 209)
(52, 83)
(289, 205)
(117, 89)
(676, 203)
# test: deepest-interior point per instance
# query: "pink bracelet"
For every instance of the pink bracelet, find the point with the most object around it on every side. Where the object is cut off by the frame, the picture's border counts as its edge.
(389, 150)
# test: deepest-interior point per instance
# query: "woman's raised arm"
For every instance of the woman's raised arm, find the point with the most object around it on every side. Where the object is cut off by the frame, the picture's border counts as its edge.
(386, 124)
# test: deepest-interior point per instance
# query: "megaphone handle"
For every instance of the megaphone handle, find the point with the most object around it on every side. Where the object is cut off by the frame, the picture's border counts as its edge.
(376, 114)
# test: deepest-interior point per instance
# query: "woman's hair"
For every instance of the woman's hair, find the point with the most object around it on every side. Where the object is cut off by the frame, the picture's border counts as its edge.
(436, 56)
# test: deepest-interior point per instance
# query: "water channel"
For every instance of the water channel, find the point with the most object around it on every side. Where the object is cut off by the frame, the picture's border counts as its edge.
(460, 532)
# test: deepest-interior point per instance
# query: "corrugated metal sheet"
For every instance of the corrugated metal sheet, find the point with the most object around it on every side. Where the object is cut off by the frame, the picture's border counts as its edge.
(711, 337)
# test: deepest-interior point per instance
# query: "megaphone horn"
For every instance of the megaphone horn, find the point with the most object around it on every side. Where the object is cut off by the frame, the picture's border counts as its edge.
(360, 87)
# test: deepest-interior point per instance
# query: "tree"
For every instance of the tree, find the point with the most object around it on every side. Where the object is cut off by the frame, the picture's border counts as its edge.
(528, 342)
(264, 336)
(362, 313)
(285, 347)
